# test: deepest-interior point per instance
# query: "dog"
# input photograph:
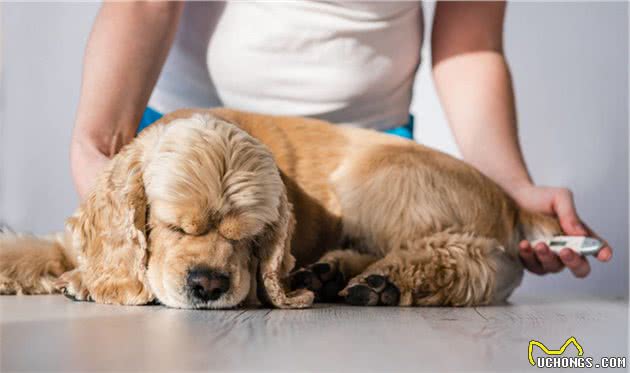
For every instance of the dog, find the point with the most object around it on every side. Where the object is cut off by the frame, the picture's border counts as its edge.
(221, 208)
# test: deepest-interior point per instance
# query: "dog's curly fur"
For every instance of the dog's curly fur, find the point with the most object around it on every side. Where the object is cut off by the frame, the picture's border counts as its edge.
(391, 221)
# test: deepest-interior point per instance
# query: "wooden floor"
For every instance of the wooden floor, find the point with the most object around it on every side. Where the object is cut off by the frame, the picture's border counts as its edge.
(53, 333)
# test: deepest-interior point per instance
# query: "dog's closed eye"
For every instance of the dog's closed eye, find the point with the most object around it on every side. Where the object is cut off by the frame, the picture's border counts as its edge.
(177, 229)
(232, 240)
(235, 229)
(228, 239)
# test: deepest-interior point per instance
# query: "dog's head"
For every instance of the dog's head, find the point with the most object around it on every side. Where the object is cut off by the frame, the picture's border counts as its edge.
(194, 213)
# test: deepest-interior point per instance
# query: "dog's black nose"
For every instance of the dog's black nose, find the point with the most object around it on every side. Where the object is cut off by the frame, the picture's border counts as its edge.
(206, 284)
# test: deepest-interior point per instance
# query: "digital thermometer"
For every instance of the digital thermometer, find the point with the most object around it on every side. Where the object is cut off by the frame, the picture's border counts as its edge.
(579, 244)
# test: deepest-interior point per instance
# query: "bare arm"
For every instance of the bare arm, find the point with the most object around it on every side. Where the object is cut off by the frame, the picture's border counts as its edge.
(474, 84)
(123, 59)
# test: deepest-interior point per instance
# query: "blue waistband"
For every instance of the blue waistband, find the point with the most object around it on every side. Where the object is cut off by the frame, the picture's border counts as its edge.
(405, 130)
(148, 118)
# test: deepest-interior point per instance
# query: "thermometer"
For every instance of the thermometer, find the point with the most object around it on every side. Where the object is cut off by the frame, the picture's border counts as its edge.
(581, 245)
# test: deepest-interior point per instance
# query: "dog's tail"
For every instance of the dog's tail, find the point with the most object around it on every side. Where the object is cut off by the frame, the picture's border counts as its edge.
(31, 264)
(533, 226)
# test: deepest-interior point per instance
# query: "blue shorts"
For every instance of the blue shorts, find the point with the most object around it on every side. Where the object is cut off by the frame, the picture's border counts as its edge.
(405, 130)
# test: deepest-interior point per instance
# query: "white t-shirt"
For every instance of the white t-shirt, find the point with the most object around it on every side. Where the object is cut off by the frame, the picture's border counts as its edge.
(346, 62)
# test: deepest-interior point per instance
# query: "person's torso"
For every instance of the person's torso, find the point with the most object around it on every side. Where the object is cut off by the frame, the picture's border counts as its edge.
(350, 63)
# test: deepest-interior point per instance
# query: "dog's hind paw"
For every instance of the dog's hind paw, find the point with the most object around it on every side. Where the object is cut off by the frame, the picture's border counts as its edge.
(374, 290)
(323, 279)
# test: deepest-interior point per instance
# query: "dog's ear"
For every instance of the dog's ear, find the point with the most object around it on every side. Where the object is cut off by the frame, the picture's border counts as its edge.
(109, 233)
(275, 262)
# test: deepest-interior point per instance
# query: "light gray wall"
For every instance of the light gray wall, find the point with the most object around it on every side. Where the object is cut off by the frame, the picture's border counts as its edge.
(569, 63)
(42, 49)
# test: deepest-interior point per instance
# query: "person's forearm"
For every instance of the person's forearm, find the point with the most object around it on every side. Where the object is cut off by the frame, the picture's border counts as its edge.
(473, 81)
(124, 55)
(475, 89)
(476, 92)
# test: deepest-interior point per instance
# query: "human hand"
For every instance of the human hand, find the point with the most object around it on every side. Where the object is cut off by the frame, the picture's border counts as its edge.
(559, 202)
(87, 162)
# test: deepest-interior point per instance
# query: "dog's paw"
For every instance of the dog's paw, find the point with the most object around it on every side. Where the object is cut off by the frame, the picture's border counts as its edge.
(323, 279)
(70, 284)
(9, 287)
(374, 290)
(23, 279)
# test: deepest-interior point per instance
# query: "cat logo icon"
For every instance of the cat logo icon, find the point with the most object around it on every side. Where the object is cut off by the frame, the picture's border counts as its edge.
(547, 351)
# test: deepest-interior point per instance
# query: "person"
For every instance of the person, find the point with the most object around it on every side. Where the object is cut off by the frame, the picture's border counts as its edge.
(351, 63)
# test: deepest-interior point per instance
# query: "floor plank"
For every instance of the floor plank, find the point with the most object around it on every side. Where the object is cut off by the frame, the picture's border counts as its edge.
(52, 333)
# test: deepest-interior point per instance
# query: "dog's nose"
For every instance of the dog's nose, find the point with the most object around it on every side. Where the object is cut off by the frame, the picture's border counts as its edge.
(206, 284)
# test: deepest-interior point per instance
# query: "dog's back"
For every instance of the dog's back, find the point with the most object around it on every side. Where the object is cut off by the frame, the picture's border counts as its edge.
(386, 195)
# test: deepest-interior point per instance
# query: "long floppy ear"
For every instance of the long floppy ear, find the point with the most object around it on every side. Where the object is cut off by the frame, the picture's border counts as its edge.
(276, 261)
(109, 233)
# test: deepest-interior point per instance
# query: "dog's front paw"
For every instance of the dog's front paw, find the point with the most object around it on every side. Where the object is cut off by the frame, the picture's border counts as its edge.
(323, 279)
(9, 286)
(70, 284)
(374, 290)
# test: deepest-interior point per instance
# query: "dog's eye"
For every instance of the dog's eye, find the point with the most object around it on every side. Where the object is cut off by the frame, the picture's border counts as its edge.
(177, 229)
(232, 241)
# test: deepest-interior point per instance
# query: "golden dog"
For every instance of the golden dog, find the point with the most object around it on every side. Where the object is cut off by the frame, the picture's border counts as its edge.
(215, 208)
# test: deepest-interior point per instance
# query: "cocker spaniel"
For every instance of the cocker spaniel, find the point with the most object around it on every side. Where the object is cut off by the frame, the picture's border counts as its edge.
(217, 208)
